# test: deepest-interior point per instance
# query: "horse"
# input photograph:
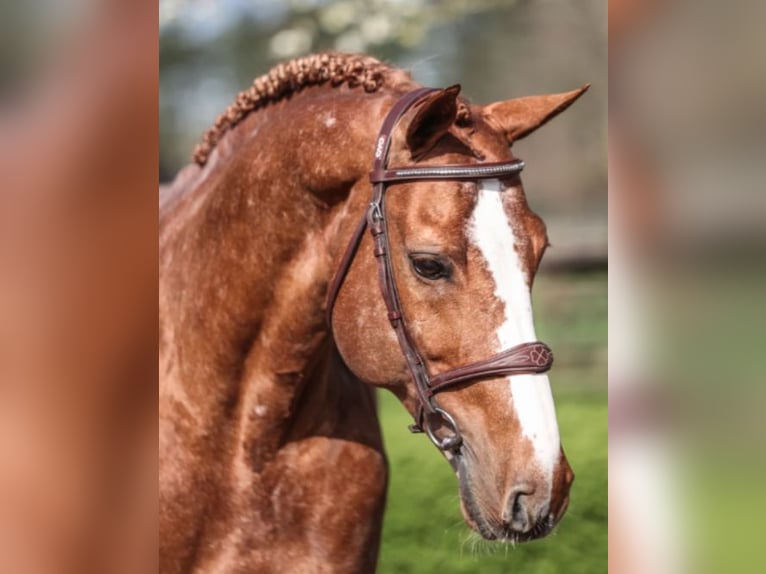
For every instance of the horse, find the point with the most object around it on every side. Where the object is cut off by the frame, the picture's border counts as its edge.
(280, 316)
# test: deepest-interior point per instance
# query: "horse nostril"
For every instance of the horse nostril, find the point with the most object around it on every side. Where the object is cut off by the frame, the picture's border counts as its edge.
(516, 506)
(517, 514)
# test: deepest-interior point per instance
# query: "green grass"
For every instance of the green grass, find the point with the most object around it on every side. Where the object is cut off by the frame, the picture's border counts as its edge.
(424, 530)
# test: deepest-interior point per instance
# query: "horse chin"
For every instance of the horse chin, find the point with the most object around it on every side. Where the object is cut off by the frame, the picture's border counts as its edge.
(470, 508)
(476, 523)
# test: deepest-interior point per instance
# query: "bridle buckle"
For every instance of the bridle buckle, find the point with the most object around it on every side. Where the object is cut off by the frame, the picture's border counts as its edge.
(374, 213)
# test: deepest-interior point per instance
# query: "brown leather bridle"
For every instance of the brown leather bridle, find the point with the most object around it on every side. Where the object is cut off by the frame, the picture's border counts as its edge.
(526, 358)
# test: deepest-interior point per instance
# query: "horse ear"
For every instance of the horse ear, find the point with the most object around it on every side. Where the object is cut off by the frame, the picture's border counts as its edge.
(432, 119)
(519, 117)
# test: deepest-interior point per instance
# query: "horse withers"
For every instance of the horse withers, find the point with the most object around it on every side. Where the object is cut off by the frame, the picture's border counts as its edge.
(271, 457)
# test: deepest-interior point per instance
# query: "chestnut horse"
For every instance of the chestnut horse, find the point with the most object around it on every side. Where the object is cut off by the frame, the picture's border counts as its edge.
(271, 457)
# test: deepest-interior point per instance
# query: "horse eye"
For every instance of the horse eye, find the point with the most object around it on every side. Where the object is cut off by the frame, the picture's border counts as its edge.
(430, 267)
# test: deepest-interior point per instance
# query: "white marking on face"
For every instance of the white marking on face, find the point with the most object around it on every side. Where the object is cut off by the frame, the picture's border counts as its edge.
(492, 233)
(329, 120)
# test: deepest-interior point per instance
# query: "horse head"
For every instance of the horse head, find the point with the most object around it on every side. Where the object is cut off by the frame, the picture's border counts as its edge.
(464, 255)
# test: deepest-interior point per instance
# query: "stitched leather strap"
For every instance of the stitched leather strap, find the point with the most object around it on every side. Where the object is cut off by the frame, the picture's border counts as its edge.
(342, 271)
(524, 359)
(382, 146)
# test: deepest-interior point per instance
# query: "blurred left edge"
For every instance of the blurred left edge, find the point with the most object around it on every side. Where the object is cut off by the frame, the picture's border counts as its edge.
(78, 270)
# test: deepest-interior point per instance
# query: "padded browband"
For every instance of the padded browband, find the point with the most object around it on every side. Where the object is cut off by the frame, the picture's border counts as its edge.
(447, 172)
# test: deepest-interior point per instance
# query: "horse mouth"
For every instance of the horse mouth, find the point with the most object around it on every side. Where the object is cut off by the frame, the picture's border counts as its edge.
(539, 530)
(502, 533)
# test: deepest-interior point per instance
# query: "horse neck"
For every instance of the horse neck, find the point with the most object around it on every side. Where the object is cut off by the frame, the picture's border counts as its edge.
(247, 255)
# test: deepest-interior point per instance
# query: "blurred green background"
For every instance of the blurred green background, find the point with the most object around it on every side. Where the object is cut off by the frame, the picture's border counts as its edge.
(209, 50)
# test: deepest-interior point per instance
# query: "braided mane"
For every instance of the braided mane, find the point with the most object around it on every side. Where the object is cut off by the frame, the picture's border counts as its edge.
(291, 77)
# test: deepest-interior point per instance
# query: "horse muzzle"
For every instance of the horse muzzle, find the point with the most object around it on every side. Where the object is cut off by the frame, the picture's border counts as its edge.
(528, 509)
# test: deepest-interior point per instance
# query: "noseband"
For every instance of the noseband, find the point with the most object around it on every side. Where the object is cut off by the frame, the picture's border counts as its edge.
(526, 358)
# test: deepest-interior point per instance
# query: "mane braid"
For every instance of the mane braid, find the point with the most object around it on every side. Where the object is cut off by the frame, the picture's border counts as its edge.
(288, 78)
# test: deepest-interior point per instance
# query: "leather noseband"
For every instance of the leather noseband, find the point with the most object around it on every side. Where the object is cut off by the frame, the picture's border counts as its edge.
(526, 358)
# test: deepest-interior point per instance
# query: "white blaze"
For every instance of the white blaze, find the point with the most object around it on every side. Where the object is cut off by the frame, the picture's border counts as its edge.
(491, 232)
